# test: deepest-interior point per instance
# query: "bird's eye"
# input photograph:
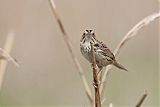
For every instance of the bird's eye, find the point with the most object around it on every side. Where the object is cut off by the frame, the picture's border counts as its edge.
(87, 31)
(93, 35)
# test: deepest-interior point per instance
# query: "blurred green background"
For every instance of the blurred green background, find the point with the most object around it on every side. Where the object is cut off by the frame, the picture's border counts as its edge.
(47, 76)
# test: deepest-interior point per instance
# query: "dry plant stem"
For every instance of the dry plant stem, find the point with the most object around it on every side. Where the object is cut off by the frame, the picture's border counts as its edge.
(141, 100)
(70, 48)
(3, 63)
(95, 80)
(110, 105)
(6, 56)
(124, 40)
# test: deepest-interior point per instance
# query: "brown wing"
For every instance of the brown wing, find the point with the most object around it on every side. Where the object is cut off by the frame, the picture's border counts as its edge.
(106, 51)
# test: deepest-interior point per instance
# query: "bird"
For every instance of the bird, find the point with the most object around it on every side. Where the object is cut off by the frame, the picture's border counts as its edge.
(103, 54)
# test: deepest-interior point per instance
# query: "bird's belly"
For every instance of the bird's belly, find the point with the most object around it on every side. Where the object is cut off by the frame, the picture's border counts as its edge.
(86, 52)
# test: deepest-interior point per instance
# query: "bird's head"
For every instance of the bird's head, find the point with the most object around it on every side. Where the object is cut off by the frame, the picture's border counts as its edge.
(88, 36)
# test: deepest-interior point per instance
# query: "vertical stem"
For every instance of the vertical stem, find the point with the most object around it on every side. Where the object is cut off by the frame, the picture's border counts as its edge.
(3, 63)
(95, 79)
(70, 48)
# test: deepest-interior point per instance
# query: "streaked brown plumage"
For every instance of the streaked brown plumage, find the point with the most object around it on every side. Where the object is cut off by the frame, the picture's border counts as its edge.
(103, 54)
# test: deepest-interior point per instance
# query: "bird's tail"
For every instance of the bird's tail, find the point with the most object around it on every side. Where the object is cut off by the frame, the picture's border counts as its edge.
(119, 66)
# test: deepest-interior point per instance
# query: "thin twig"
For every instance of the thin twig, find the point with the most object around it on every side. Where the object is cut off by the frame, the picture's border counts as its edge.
(3, 63)
(95, 79)
(124, 40)
(70, 48)
(6, 56)
(141, 100)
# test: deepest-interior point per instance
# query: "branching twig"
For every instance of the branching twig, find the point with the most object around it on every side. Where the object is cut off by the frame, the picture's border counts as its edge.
(6, 56)
(70, 48)
(141, 100)
(127, 37)
(95, 79)
(3, 62)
